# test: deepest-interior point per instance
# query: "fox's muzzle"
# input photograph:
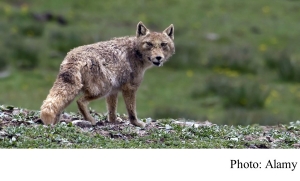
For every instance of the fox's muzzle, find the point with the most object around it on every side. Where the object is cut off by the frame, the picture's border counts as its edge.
(157, 60)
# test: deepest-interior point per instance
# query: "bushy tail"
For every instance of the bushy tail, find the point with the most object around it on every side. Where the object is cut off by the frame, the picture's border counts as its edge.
(63, 92)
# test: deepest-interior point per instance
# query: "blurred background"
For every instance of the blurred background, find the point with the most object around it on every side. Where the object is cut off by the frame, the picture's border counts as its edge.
(236, 62)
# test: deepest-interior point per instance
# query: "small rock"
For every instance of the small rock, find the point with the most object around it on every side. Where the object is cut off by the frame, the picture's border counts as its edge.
(65, 116)
(168, 127)
(63, 123)
(116, 135)
(16, 112)
(248, 137)
(119, 120)
(196, 125)
(3, 133)
(189, 123)
(234, 139)
(30, 121)
(104, 133)
(269, 138)
(148, 120)
(212, 36)
(82, 123)
(252, 146)
(296, 145)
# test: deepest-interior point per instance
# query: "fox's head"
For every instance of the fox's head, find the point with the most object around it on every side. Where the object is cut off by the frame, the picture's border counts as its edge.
(155, 47)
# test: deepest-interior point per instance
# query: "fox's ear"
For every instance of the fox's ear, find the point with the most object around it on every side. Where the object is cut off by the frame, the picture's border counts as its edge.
(141, 30)
(169, 31)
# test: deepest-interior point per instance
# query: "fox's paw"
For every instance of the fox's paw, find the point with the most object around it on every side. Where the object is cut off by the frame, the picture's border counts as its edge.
(139, 124)
(92, 121)
(118, 120)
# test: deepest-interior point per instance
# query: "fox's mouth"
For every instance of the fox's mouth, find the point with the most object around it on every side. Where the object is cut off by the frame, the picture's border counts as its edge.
(158, 63)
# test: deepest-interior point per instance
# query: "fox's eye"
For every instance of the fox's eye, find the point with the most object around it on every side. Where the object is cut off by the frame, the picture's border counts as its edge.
(149, 44)
(163, 44)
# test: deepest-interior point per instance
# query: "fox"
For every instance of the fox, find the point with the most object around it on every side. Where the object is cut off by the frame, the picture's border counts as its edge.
(105, 68)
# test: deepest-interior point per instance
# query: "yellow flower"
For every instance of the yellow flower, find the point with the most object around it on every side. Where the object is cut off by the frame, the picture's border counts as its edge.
(24, 87)
(189, 73)
(293, 90)
(226, 71)
(274, 93)
(268, 100)
(24, 9)
(14, 30)
(151, 103)
(7, 9)
(274, 41)
(266, 9)
(262, 47)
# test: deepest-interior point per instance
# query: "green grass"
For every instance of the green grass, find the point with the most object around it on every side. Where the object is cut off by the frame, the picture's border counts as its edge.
(246, 30)
(19, 129)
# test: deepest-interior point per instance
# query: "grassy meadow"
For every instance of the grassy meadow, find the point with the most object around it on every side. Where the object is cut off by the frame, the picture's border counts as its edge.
(236, 62)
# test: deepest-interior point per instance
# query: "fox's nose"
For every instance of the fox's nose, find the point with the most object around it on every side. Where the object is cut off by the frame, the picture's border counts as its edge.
(158, 58)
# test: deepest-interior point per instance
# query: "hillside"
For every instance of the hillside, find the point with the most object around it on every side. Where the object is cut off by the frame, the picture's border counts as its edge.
(22, 128)
(236, 62)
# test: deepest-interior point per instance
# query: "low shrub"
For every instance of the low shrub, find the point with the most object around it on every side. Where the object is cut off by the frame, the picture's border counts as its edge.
(241, 116)
(187, 56)
(4, 62)
(238, 92)
(239, 58)
(287, 65)
(64, 41)
(26, 54)
(30, 28)
(272, 58)
(289, 69)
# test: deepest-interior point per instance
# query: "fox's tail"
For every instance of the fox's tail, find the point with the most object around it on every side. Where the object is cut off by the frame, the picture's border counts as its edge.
(65, 89)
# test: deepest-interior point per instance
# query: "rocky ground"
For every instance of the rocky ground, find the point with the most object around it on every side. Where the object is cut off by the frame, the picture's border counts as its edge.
(279, 136)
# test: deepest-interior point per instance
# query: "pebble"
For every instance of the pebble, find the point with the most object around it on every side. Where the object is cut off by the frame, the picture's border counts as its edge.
(82, 123)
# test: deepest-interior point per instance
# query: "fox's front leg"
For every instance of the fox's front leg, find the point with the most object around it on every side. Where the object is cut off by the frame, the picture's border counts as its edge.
(111, 103)
(129, 98)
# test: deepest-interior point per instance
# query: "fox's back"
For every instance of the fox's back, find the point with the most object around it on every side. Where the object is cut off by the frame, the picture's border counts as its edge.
(103, 65)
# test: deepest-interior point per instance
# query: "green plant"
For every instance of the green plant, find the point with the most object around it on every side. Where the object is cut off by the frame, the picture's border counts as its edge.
(238, 92)
(19, 130)
(285, 63)
(242, 116)
(30, 28)
(64, 41)
(239, 58)
(272, 58)
(26, 54)
(4, 62)
(248, 94)
(289, 69)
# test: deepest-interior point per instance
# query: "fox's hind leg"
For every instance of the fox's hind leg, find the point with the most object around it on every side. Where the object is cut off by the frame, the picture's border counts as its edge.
(82, 105)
